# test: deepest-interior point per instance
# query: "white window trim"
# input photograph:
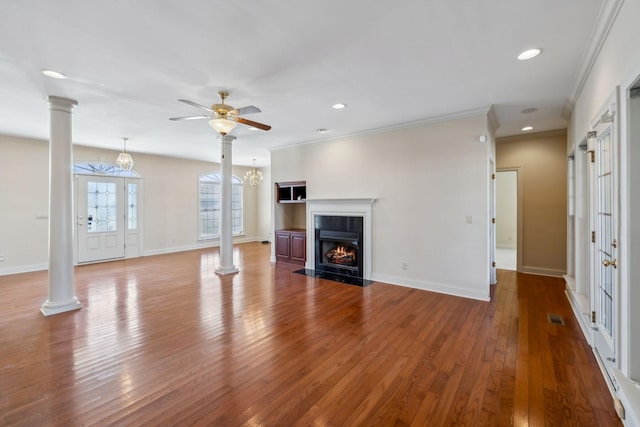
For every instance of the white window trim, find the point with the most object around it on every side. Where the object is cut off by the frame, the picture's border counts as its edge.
(216, 179)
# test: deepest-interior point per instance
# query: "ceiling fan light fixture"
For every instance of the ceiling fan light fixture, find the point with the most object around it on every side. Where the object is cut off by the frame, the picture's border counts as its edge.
(223, 126)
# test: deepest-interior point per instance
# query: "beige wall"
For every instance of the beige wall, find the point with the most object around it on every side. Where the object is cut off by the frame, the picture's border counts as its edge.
(541, 160)
(427, 180)
(170, 202)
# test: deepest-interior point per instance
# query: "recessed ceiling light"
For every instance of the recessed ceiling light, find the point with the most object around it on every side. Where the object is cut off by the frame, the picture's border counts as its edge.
(339, 106)
(54, 74)
(322, 130)
(528, 54)
(527, 128)
(529, 110)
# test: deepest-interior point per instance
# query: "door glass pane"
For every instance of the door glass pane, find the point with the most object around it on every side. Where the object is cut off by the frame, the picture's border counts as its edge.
(605, 232)
(132, 206)
(101, 207)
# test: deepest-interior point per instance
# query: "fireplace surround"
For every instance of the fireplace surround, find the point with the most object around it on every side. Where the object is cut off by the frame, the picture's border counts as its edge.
(351, 212)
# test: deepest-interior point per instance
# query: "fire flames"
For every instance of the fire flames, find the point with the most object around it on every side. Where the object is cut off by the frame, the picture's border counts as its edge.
(342, 255)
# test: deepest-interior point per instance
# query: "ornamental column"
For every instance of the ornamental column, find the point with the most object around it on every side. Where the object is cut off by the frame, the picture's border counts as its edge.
(61, 293)
(226, 226)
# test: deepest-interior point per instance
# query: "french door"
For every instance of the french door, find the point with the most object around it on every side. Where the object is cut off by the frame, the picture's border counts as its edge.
(100, 218)
(605, 239)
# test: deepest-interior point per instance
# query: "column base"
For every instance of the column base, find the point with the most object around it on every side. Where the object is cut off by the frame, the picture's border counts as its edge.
(223, 271)
(49, 308)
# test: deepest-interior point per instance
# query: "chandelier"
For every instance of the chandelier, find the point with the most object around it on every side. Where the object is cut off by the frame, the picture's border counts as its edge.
(253, 177)
(124, 160)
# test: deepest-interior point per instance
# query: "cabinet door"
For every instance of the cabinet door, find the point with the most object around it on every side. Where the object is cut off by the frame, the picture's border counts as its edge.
(282, 246)
(298, 247)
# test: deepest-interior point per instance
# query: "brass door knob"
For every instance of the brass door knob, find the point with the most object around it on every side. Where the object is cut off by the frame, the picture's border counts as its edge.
(607, 263)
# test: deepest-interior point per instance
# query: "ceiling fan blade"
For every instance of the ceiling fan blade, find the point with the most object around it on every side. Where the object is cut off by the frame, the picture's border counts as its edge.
(252, 123)
(195, 104)
(177, 119)
(246, 110)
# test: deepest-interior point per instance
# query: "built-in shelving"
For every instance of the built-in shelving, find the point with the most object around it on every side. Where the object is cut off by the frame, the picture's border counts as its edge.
(291, 192)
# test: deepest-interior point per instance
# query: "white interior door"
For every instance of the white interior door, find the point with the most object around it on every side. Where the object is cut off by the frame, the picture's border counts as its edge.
(605, 221)
(100, 217)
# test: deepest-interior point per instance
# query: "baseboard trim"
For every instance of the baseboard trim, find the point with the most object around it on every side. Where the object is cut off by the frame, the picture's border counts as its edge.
(543, 271)
(580, 316)
(441, 288)
(23, 269)
(214, 243)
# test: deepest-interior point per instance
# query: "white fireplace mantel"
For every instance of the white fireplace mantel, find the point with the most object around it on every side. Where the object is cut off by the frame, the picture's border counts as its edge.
(340, 207)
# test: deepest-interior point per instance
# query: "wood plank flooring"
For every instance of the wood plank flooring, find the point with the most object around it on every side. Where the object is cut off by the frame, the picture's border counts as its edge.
(162, 340)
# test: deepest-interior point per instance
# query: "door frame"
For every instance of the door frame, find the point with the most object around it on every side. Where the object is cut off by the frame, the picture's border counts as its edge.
(519, 213)
(133, 241)
(608, 358)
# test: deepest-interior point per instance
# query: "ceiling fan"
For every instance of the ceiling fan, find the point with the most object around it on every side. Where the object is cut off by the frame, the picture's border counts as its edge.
(223, 117)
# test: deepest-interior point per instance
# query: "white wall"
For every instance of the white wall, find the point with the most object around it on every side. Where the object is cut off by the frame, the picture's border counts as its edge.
(617, 65)
(506, 209)
(427, 180)
(170, 205)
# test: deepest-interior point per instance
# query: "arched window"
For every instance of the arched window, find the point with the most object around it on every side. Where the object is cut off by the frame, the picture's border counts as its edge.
(210, 202)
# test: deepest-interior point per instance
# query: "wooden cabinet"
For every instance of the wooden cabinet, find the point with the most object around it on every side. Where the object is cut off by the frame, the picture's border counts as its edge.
(291, 246)
(291, 192)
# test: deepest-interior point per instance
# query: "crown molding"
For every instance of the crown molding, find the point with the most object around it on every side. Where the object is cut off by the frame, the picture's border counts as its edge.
(535, 135)
(606, 18)
(476, 112)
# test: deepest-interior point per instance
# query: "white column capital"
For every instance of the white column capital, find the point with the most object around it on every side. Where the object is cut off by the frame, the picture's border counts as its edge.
(226, 138)
(62, 104)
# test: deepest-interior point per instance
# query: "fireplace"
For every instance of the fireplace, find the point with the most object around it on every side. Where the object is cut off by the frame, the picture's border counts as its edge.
(333, 225)
(338, 245)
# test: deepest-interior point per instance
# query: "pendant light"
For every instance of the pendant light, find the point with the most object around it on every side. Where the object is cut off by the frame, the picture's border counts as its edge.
(124, 160)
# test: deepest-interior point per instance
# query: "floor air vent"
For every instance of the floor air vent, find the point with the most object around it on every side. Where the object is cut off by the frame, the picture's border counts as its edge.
(556, 319)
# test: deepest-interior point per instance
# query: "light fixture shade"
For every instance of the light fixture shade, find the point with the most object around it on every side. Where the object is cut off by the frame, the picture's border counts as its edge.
(223, 126)
(125, 161)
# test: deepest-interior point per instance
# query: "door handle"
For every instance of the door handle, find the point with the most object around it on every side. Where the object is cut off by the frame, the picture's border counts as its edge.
(613, 263)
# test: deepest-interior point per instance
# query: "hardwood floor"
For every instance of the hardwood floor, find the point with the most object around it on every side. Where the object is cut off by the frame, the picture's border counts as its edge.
(162, 340)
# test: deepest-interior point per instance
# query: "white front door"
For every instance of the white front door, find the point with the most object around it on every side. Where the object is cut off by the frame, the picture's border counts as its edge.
(100, 217)
(605, 225)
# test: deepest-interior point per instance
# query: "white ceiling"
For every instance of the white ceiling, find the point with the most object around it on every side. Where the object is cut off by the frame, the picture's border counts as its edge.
(128, 61)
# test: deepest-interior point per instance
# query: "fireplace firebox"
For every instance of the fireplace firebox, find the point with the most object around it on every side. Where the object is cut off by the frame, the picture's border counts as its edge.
(338, 245)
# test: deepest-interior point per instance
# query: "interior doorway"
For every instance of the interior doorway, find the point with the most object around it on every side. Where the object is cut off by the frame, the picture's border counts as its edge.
(508, 224)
